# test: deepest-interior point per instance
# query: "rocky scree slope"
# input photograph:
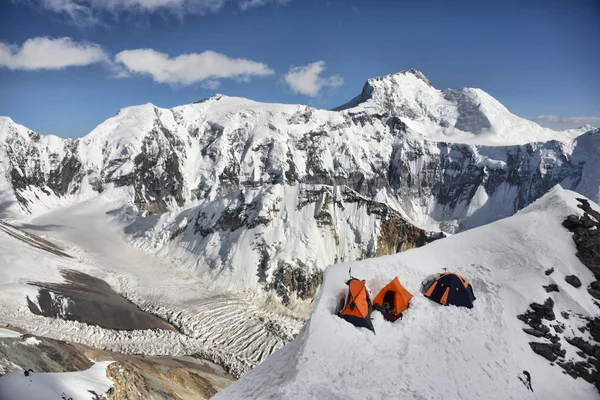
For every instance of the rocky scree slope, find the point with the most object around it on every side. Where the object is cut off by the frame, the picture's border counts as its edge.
(132, 376)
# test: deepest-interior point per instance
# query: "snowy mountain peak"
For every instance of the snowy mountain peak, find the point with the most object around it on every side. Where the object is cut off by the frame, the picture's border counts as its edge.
(398, 76)
(7, 123)
(137, 109)
(465, 115)
(6, 120)
(214, 97)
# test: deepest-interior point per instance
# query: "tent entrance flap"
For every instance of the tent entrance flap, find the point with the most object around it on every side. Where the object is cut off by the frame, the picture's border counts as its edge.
(395, 295)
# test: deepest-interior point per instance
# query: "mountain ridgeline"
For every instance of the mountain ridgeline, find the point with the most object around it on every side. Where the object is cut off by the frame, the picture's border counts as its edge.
(289, 189)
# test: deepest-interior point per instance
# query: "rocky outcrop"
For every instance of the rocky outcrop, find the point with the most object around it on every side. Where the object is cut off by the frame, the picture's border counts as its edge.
(288, 281)
(573, 281)
(162, 378)
(134, 377)
(551, 288)
(586, 235)
(397, 235)
(585, 339)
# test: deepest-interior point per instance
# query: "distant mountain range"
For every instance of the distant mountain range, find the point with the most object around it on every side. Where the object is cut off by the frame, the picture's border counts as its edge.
(264, 196)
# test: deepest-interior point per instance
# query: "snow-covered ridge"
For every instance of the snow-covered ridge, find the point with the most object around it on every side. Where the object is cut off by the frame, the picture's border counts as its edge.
(167, 165)
(438, 352)
(194, 153)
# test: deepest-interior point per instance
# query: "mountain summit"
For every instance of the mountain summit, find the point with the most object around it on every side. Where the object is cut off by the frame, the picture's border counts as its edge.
(463, 115)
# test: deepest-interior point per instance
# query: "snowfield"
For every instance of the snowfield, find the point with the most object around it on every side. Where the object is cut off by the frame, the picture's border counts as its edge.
(234, 329)
(60, 385)
(438, 352)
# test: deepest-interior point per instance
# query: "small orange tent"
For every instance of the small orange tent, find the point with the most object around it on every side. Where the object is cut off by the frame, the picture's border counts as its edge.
(357, 309)
(395, 295)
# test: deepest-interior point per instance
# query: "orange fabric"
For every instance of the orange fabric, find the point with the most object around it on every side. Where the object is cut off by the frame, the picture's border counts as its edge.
(430, 290)
(401, 296)
(463, 280)
(444, 299)
(358, 304)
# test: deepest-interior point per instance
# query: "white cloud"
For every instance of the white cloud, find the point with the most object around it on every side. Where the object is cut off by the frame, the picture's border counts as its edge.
(555, 122)
(89, 12)
(308, 80)
(48, 53)
(247, 4)
(188, 69)
(211, 84)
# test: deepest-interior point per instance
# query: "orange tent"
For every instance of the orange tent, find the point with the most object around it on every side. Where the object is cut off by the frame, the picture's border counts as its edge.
(357, 309)
(395, 295)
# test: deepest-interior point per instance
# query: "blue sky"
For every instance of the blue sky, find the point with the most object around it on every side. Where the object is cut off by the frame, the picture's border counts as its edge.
(66, 65)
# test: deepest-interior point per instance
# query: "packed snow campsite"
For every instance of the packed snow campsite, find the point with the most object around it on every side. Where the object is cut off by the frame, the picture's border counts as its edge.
(414, 243)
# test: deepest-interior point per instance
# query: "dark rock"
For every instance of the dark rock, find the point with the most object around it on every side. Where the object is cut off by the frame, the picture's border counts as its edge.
(586, 207)
(573, 281)
(594, 327)
(595, 293)
(534, 317)
(549, 271)
(553, 338)
(572, 222)
(565, 314)
(586, 235)
(581, 354)
(288, 280)
(533, 332)
(550, 351)
(579, 369)
(551, 288)
(581, 345)
(587, 222)
(548, 309)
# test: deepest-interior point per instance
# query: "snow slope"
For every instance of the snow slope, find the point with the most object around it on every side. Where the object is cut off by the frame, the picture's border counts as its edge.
(60, 385)
(439, 352)
(7, 333)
